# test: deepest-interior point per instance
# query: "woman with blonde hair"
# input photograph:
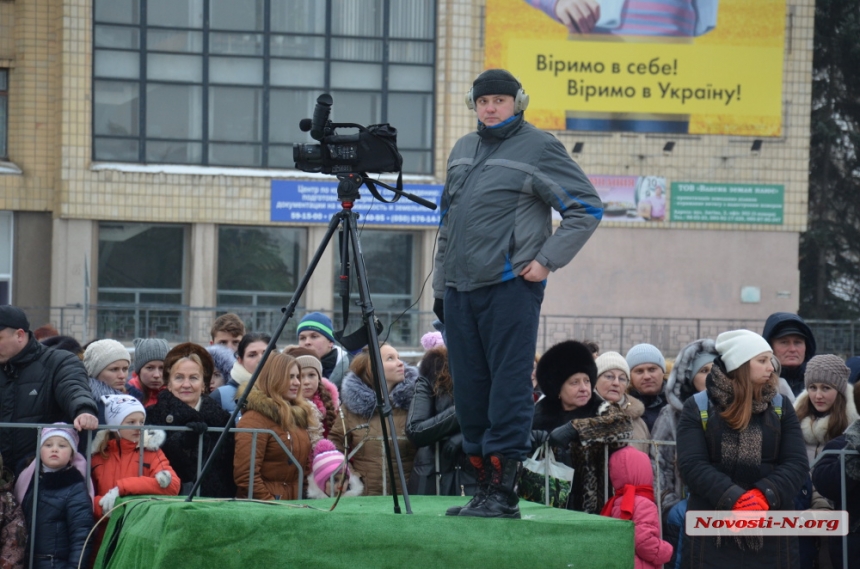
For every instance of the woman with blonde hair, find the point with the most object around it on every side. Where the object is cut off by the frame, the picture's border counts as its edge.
(275, 403)
(359, 428)
(743, 451)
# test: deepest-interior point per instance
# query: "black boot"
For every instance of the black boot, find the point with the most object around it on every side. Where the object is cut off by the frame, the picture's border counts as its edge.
(480, 492)
(502, 499)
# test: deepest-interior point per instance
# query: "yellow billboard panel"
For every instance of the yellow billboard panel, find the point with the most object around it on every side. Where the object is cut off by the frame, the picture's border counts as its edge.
(679, 66)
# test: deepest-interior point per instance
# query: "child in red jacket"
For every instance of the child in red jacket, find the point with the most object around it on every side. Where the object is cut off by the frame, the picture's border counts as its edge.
(116, 457)
(631, 476)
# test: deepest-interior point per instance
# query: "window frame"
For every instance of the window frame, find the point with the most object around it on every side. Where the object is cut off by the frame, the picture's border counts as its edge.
(264, 144)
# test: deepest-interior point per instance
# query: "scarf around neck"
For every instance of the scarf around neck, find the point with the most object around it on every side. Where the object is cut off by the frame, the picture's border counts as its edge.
(627, 495)
(740, 450)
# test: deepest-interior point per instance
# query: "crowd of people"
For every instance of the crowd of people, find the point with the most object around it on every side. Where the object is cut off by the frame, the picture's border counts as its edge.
(771, 407)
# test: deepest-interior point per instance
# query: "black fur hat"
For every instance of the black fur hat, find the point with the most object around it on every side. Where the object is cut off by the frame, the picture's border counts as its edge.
(562, 361)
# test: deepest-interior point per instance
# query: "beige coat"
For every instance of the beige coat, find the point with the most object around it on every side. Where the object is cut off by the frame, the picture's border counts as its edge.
(358, 407)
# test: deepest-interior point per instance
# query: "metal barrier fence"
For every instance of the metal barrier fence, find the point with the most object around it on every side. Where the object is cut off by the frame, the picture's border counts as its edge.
(89, 443)
(180, 323)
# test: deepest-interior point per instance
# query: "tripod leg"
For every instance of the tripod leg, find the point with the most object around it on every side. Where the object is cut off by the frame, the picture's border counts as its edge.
(333, 225)
(383, 403)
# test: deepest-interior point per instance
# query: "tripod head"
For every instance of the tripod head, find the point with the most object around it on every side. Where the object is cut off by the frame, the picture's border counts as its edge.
(349, 186)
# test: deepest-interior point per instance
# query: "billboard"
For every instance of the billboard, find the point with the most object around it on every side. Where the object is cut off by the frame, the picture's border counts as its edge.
(676, 66)
(314, 202)
(728, 203)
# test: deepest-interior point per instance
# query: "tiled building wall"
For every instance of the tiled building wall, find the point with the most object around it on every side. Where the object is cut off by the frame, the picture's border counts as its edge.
(51, 123)
(30, 35)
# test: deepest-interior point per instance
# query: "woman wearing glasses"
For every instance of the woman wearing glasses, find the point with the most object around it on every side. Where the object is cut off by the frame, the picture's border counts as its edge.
(613, 377)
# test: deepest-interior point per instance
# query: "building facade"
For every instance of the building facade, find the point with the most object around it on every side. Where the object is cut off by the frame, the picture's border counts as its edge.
(139, 141)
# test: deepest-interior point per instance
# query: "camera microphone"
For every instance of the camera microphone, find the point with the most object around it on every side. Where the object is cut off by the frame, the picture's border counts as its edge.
(305, 125)
(321, 113)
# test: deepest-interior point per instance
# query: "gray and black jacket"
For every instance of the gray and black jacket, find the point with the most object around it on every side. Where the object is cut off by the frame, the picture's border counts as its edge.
(496, 215)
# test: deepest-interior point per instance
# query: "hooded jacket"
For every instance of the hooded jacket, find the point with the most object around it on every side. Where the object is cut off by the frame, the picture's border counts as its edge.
(361, 431)
(40, 385)
(119, 467)
(64, 519)
(776, 322)
(182, 447)
(630, 466)
(502, 185)
(275, 476)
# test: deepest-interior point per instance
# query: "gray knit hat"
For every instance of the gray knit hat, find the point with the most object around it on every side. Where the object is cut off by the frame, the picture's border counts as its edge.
(828, 369)
(645, 354)
(611, 360)
(101, 354)
(495, 82)
(147, 350)
(310, 361)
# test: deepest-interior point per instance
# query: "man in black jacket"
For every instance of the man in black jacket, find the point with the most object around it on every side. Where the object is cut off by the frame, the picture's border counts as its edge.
(37, 385)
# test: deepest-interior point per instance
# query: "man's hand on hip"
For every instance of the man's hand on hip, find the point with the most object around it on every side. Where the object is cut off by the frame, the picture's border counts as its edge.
(535, 272)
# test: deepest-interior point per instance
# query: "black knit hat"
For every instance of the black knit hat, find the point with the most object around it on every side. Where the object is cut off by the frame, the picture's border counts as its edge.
(562, 361)
(13, 317)
(495, 82)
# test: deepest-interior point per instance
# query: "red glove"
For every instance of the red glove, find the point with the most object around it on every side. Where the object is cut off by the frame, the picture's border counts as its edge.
(752, 500)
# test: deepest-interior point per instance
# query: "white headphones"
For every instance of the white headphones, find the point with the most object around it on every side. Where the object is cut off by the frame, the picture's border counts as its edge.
(521, 100)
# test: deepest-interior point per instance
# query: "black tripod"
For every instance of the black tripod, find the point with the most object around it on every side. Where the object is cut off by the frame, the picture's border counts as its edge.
(345, 220)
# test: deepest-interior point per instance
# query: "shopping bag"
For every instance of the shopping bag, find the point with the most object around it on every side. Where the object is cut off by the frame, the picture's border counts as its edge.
(545, 480)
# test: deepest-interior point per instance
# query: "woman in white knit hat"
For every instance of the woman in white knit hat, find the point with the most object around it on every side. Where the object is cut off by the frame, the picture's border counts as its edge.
(741, 454)
(107, 363)
(613, 377)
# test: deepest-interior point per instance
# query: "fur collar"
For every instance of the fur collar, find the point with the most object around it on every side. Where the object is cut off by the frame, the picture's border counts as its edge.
(361, 399)
(60, 479)
(264, 405)
(152, 440)
(632, 407)
(679, 386)
(815, 429)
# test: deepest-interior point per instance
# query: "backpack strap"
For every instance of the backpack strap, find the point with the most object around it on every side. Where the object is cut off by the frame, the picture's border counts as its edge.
(777, 405)
(702, 402)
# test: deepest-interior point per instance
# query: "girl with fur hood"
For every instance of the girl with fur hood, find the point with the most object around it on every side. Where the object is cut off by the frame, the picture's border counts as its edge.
(328, 472)
(116, 457)
(743, 455)
(359, 429)
(64, 508)
(578, 424)
(275, 403)
(315, 388)
(632, 478)
(186, 403)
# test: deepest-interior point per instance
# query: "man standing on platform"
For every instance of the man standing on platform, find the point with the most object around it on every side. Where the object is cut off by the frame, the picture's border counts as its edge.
(496, 248)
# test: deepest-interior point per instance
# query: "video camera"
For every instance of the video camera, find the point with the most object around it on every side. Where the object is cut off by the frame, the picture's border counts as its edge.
(373, 149)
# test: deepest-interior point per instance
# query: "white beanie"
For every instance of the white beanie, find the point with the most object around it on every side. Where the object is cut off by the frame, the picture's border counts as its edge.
(101, 354)
(118, 407)
(611, 360)
(740, 346)
(645, 354)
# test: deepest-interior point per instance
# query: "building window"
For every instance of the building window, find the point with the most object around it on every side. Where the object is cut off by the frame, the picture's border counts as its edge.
(225, 83)
(391, 259)
(259, 266)
(141, 266)
(4, 112)
(5, 257)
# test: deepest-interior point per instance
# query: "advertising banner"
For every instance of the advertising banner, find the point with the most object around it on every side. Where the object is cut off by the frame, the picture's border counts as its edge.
(316, 201)
(727, 203)
(675, 66)
(632, 198)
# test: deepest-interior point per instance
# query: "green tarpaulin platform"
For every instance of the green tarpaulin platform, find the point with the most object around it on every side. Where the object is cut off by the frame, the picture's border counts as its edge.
(362, 532)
